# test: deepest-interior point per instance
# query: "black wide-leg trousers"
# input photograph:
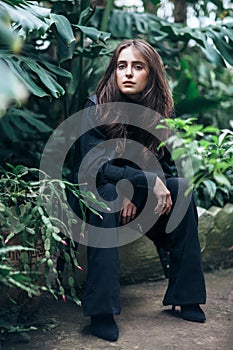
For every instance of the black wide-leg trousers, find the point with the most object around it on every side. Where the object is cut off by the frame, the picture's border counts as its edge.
(186, 284)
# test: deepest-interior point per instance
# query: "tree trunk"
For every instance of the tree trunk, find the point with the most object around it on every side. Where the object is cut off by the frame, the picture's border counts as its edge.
(99, 3)
(149, 7)
(180, 11)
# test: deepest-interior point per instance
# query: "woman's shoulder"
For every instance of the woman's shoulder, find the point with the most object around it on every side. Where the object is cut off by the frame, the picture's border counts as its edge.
(90, 101)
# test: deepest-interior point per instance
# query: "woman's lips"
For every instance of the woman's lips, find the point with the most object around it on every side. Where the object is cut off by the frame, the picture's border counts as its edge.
(128, 83)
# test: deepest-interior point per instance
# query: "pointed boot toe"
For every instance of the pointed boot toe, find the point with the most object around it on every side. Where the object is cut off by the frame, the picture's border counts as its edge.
(105, 327)
(193, 312)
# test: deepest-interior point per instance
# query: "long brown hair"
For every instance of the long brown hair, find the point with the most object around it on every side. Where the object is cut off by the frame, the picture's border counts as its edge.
(156, 95)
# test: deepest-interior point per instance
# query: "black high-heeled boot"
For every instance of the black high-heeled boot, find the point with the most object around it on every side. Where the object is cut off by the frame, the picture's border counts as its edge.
(105, 327)
(192, 312)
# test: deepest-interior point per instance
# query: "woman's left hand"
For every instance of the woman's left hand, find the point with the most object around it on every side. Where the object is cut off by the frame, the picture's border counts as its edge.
(163, 196)
(128, 211)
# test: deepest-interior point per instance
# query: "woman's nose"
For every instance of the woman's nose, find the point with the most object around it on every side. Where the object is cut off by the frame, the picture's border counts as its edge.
(129, 71)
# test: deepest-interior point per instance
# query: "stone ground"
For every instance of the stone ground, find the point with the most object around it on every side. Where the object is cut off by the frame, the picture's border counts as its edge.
(144, 323)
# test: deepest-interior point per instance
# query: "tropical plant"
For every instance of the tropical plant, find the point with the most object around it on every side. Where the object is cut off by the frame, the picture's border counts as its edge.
(25, 220)
(43, 64)
(27, 22)
(205, 156)
(171, 39)
(32, 241)
(203, 91)
(12, 278)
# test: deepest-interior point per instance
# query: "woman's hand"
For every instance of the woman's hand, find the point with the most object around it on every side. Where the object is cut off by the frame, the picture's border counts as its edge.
(163, 196)
(128, 211)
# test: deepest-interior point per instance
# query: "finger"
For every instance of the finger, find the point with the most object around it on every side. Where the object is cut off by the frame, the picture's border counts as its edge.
(164, 210)
(164, 205)
(124, 220)
(123, 216)
(133, 215)
(168, 205)
(126, 216)
(160, 206)
(129, 214)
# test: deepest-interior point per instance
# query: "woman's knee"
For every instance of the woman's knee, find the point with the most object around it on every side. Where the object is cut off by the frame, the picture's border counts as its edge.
(179, 187)
(107, 191)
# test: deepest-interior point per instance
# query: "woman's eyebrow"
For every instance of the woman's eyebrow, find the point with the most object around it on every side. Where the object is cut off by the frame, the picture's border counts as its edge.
(124, 61)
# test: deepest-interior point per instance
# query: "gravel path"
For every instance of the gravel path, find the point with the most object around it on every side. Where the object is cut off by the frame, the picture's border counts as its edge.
(144, 323)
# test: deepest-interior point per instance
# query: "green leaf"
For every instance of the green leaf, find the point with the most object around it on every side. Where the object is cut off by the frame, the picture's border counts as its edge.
(71, 281)
(213, 55)
(219, 199)
(9, 130)
(211, 188)
(9, 37)
(224, 48)
(94, 34)
(29, 290)
(55, 89)
(223, 135)
(178, 152)
(11, 88)
(29, 17)
(47, 244)
(210, 129)
(64, 52)
(142, 26)
(19, 228)
(56, 237)
(64, 28)
(57, 70)
(222, 180)
(26, 78)
(17, 121)
(13, 248)
(37, 124)
(85, 16)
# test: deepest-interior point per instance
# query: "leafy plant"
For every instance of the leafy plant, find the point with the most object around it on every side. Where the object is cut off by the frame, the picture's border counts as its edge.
(24, 28)
(51, 52)
(170, 39)
(206, 155)
(203, 90)
(10, 276)
(12, 279)
(24, 221)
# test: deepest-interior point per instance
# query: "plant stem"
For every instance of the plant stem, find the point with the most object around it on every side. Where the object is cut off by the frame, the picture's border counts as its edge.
(106, 15)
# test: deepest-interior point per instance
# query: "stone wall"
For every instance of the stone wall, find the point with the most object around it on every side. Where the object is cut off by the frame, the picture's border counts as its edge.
(216, 236)
(139, 260)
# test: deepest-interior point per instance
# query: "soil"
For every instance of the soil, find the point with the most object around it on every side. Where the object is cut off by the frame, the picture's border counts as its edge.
(143, 324)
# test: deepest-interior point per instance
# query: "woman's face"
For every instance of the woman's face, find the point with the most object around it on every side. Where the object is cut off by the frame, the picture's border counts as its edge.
(132, 72)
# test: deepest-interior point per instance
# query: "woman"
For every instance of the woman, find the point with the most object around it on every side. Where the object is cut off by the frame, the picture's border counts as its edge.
(135, 75)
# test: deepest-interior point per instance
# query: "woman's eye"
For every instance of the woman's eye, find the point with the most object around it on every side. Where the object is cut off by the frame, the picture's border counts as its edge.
(121, 66)
(138, 67)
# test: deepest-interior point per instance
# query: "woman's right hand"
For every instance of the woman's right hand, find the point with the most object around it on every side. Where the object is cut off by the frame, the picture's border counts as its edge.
(163, 196)
(128, 211)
